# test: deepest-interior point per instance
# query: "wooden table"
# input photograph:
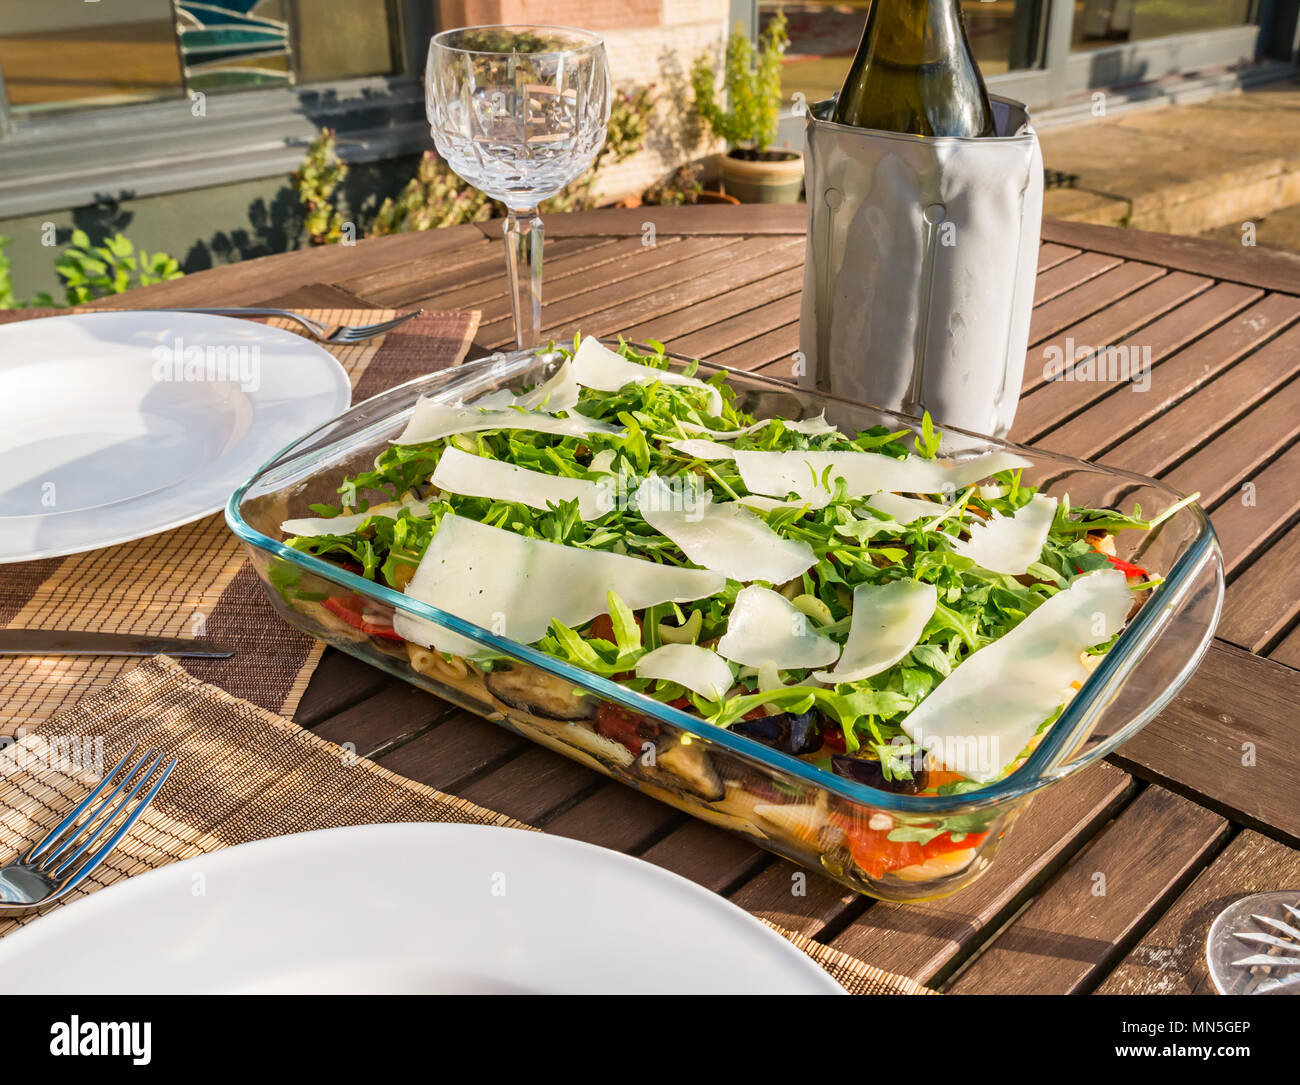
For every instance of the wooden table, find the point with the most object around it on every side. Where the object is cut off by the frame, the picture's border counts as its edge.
(1202, 807)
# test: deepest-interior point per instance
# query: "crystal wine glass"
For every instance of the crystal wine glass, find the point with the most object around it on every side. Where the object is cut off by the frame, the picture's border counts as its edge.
(518, 112)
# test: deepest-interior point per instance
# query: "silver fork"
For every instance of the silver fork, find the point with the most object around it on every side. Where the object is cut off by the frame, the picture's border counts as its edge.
(344, 333)
(72, 849)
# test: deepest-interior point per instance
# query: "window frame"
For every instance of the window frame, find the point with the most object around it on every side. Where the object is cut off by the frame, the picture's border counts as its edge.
(55, 161)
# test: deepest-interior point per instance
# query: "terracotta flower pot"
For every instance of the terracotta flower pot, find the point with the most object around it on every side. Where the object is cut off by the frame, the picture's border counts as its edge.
(773, 176)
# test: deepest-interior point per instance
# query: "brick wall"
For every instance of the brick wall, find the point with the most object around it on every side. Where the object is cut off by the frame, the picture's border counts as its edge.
(648, 41)
(662, 56)
(587, 14)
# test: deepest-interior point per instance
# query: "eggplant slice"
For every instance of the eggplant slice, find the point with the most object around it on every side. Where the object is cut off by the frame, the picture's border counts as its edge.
(869, 771)
(575, 736)
(686, 767)
(531, 690)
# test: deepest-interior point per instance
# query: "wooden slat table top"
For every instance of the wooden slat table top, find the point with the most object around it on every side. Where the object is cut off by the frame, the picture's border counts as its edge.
(1107, 884)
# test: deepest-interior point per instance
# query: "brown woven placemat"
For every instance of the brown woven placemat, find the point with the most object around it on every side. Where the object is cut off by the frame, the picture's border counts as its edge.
(195, 580)
(243, 774)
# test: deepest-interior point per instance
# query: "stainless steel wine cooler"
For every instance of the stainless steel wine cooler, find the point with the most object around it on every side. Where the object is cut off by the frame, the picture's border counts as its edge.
(919, 278)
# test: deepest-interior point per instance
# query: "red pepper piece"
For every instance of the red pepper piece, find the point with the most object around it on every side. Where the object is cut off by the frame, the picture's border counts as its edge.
(875, 853)
(349, 610)
(1125, 567)
(833, 737)
(625, 727)
(944, 843)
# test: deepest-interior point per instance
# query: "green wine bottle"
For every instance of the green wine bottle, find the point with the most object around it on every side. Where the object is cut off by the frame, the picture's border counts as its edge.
(914, 72)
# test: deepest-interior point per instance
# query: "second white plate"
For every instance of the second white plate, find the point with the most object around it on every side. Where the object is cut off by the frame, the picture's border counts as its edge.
(117, 425)
(408, 908)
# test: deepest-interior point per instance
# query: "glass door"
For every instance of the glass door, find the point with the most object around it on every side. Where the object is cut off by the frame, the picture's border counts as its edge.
(1006, 36)
(1045, 53)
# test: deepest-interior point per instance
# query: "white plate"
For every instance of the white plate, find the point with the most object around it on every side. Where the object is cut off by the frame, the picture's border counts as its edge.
(409, 908)
(114, 426)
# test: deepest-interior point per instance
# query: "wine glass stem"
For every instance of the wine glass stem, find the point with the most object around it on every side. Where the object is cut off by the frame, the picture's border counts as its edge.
(523, 230)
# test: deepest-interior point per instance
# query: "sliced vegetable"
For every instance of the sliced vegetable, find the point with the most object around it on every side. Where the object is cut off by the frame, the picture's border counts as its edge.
(724, 537)
(875, 853)
(765, 626)
(1126, 567)
(542, 694)
(432, 420)
(887, 622)
(479, 476)
(982, 715)
(870, 771)
(517, 586)
(698, 669)
(629, 729)
(1010, 544)
(790, 732)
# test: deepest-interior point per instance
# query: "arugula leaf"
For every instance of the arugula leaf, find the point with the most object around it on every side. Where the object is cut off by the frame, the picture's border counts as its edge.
(627, 633)
(928, 440)
(932, 656)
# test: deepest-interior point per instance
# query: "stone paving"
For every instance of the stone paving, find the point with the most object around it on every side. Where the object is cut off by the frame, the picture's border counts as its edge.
(1187, 169)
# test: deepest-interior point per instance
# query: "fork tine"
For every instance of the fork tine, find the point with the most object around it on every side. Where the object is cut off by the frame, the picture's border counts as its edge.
(386, 325)
(54, 833)
(357, 334)
(352, 334)
(98, 857)
(103, 825)
(389, 324)
(80, 830)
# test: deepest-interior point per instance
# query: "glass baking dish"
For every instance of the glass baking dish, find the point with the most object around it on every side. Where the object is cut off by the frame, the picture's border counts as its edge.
(840, 827)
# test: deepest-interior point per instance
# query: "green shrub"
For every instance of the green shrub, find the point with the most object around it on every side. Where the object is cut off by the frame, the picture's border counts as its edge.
(433, 198)
(752, 84)
(96, 271)
(93, 271)
(315, 180)
(7, 299)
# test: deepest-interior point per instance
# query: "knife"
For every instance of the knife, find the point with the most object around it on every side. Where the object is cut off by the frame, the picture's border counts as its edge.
(59, 642)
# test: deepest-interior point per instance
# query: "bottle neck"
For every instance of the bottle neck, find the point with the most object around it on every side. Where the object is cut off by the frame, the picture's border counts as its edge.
(908, 32)
(914, 72)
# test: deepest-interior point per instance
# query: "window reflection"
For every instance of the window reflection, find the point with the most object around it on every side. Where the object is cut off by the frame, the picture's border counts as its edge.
(1099, 23)
(60, 54)
(1004, 34)
(346, 39)
(55, 56)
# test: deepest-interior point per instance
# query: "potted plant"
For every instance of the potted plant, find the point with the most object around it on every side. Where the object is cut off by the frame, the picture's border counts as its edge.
(751, 169)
